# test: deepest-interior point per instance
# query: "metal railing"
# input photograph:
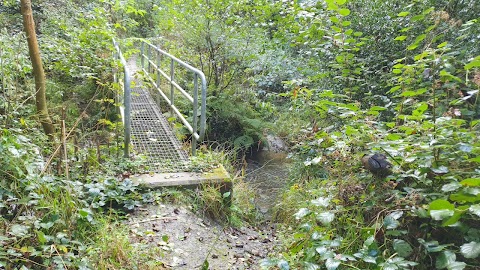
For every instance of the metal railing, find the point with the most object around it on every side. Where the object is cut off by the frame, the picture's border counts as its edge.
(125, 99)
(153, 55)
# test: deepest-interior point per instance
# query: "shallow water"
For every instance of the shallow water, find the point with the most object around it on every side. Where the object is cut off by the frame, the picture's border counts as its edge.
(267, 172)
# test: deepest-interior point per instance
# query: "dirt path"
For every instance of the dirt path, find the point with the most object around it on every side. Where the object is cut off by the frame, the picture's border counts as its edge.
(187, 240)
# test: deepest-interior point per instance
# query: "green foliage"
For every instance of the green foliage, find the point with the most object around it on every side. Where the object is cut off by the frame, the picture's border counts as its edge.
(410, 93)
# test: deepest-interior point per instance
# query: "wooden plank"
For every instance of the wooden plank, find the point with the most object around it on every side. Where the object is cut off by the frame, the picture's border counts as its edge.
(217, 175)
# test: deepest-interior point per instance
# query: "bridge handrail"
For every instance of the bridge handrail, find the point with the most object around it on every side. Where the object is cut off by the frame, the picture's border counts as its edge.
(197, 133)
(125, 100)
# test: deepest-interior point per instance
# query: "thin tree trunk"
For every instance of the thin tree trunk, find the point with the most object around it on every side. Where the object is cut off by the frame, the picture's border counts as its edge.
(34, 51)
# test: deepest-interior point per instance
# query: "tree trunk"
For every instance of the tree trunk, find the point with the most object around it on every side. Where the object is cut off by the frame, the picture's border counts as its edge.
(34, 51)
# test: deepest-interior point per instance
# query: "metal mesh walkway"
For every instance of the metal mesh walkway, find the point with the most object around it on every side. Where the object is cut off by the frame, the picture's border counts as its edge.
(152, 135)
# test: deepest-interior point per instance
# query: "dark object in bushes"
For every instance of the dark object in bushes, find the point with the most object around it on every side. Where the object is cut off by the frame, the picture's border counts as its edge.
(377, 164)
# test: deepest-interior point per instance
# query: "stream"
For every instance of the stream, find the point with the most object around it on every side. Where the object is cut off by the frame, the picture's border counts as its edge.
(267, 172)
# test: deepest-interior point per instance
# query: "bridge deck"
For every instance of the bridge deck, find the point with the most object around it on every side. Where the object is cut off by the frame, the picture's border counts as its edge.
(152, 135)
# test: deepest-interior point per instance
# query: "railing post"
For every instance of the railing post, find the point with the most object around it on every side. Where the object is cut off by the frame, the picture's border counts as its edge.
(148, 59)
(142, 52)
(158, 78)
(195, 113)
(172, 88)
(127, 101)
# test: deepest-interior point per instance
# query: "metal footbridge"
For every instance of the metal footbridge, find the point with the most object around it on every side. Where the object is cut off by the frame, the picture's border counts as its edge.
(160, 97)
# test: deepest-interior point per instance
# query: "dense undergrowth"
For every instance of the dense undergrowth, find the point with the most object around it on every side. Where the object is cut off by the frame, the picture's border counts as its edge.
(336, 79)
(62, 205)
(392, 77)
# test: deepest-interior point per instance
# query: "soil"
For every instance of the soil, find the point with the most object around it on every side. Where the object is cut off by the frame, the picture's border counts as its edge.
(187, 240)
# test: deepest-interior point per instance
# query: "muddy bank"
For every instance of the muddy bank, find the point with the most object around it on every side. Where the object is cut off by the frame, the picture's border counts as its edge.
(186, 240)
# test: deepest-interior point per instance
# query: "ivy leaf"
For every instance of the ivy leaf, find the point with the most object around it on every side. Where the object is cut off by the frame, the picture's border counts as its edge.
(310, 266)
(475, 209)
(391, 220)
(19, 230)
(321, 201)
(451, 187)
(440, 170)
(302, 213)
(470, 250)
(326, 217)
(457, 266)
(324, 253)
(402, 248)
(444, 259)
(332, 263)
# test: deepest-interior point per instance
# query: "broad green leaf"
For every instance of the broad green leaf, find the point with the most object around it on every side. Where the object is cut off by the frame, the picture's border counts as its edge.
(401, 38)
(358, 34)
(467, 148)
(321, 201)
(463, 197)
(475, 209)
(472, 64)
(440, 170)
(395, 89)
(402, 248)
(397, 71)
(19, 230)
(403, 14)
(454, 218)
(470, 250)
(334, 19)
(310, 266)
(394, 137)
(471, 182)
(41, 237)
(326, 217)
(441, 45)
(391, 220)
(441, 214)
(476, 159)
(302, 213)
(412, 47)
(432, 246)
(324, 252)
(341, 2)
(457, 266)
(417, 18)
(332, 263)
(451, 187)
(441, 205)
(344, 11)
(444, 259)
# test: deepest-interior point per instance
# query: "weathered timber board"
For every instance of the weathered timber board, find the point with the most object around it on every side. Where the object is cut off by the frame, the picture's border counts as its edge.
(218, 175)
